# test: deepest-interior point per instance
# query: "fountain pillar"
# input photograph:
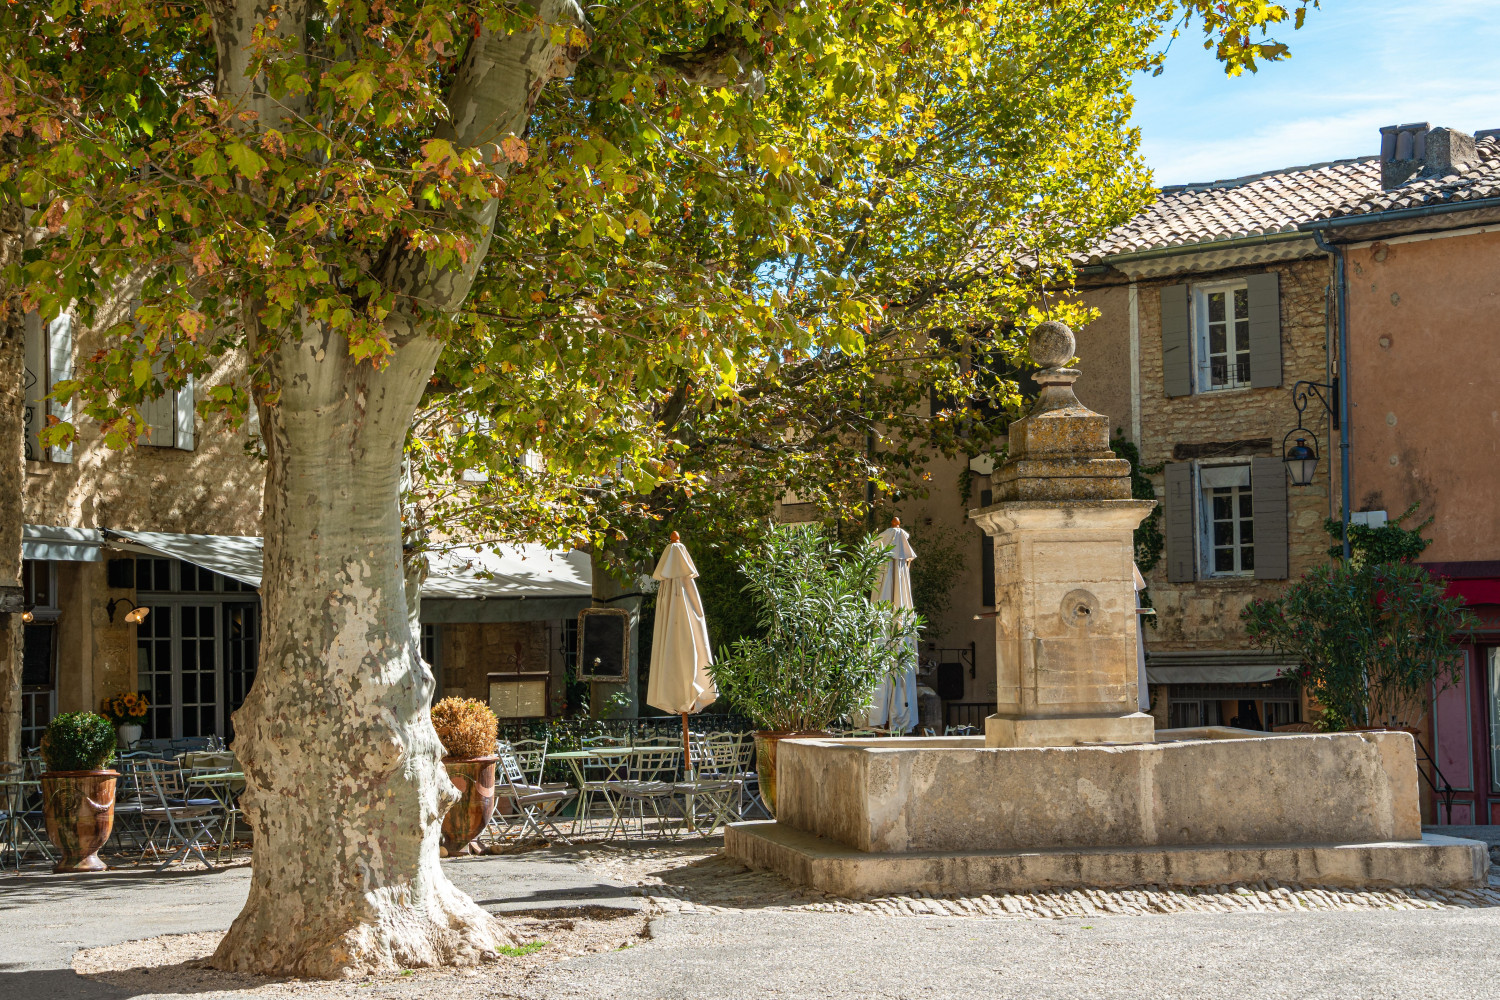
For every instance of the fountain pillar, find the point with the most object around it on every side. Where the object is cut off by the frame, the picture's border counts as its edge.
(1062, 526)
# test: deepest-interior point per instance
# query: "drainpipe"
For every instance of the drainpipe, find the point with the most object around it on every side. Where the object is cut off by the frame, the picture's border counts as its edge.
(1340, 285)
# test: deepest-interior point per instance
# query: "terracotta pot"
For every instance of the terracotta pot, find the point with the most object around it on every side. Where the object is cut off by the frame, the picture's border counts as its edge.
(465, 820)
(79, 807)
(765, 761)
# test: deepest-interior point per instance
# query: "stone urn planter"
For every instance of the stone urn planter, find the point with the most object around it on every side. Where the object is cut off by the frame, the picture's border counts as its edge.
(765, 762)
(475, 780)
(79, 809)
(128, 734)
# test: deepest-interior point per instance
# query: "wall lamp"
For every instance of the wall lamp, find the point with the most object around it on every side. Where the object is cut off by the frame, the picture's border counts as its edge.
(1302, 458)
(134, 616)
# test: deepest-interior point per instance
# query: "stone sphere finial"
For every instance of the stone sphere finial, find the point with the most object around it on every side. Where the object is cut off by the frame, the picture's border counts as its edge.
(1051, 344)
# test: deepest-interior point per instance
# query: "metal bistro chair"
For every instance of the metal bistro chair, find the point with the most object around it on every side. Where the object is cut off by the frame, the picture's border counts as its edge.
(530, 802)
(709, 792)
(200, 764)
(189, 822)
(21, 825)
(532, 756)
(599, 776)
(650, 781)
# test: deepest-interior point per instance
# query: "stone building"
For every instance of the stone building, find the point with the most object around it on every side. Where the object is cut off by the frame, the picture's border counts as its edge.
(171, 526)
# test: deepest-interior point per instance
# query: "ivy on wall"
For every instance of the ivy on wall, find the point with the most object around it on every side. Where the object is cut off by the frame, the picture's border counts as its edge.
(1149, 540)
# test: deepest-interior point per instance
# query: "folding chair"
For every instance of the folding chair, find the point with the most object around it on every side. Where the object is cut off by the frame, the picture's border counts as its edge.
(188, 821)
(750, 779)
(531, 802)
(600, 774)
(710, 792)
(532, 756)
(650, 781)
(21, 824)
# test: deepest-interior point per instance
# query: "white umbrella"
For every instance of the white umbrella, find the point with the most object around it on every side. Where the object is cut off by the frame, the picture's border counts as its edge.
(680, 682)
(896, 703)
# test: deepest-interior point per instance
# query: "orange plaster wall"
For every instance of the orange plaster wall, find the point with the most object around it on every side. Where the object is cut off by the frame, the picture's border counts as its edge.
(1424, 370)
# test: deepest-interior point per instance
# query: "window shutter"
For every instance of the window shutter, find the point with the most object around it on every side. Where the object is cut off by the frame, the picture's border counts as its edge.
(34, 383)
(1176, 341)
(160, 415)
(1181, 558)
(1265, 330)
(60, 369)
(1268, 503)
(986, 557)
(184, 414)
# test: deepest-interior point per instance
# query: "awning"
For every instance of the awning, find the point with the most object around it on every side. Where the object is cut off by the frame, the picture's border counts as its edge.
(460, 574)
(507, 571)
(43, 541)
(238, 557)
(1217, 666)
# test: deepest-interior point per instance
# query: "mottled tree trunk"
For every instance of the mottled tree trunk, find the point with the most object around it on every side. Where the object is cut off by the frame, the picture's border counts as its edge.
(346, 788)
(12, 482)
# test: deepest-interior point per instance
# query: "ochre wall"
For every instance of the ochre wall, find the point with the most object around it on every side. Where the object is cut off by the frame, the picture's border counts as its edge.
(1424, 324)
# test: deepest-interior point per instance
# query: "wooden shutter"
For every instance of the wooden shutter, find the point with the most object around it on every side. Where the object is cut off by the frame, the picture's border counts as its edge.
(1265, 329)
(986, 557)
(34, 383)
(1176, 341)
(60, 369)
(1180, 530)
(160, 415)
(1268, 501)
(183, 415)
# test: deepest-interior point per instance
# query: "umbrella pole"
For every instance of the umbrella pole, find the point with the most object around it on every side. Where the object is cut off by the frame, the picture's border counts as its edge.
(687, 751)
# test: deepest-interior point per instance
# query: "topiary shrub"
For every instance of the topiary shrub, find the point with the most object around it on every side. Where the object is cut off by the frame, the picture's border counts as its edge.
(466, 726)
(78, 741)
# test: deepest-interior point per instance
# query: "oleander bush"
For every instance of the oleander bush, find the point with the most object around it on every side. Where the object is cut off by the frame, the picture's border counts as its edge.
(466, 726)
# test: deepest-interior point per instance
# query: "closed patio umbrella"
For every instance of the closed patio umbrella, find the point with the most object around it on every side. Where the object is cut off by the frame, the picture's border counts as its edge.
(680, 656)
(896, 701)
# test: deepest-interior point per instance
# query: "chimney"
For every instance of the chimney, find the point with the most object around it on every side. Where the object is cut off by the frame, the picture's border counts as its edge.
(1403, 151)
(1449, 151)
(1406, 150)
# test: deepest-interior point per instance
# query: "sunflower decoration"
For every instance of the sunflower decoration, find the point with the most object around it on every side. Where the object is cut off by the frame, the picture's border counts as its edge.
(125, 708)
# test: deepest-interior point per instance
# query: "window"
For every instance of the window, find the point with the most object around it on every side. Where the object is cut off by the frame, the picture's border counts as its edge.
(1222, 318)
(49, 360)
(1227, 513)
(169, 418)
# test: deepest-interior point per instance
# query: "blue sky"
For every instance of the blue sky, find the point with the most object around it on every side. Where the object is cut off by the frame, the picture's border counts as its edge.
(1355, 66)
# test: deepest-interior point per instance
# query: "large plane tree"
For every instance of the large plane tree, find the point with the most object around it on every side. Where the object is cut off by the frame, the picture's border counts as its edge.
(338, 190)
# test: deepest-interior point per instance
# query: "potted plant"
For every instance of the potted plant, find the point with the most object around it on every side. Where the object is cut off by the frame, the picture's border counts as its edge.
(125, 712)
(467, 729)
(78, 792)
(824, 646)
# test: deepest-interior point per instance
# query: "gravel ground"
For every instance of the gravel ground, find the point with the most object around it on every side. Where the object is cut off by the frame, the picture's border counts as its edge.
(705, 927)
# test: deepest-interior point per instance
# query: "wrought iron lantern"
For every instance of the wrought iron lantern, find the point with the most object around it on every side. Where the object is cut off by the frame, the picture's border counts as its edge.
(1301, 460)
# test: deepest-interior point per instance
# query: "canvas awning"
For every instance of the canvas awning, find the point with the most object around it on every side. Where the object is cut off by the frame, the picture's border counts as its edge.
(235, 556)
(459, 580)
(1217, 666)
(44, 541)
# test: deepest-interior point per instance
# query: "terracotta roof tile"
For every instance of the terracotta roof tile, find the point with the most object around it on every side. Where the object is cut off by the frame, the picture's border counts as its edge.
(1480, 179)
(1259, 205)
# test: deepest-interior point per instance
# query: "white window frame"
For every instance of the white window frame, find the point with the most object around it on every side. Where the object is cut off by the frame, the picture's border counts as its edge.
(1203, 501)
(1202, 359)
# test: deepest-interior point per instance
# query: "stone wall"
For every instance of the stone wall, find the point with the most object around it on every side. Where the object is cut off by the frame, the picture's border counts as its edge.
(1205, 614)
(213, 489)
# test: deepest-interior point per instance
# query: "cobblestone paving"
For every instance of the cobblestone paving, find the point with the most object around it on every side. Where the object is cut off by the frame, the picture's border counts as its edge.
(696, 878)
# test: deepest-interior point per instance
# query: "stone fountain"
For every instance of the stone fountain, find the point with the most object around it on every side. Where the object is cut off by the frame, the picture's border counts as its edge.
(1070, 785)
